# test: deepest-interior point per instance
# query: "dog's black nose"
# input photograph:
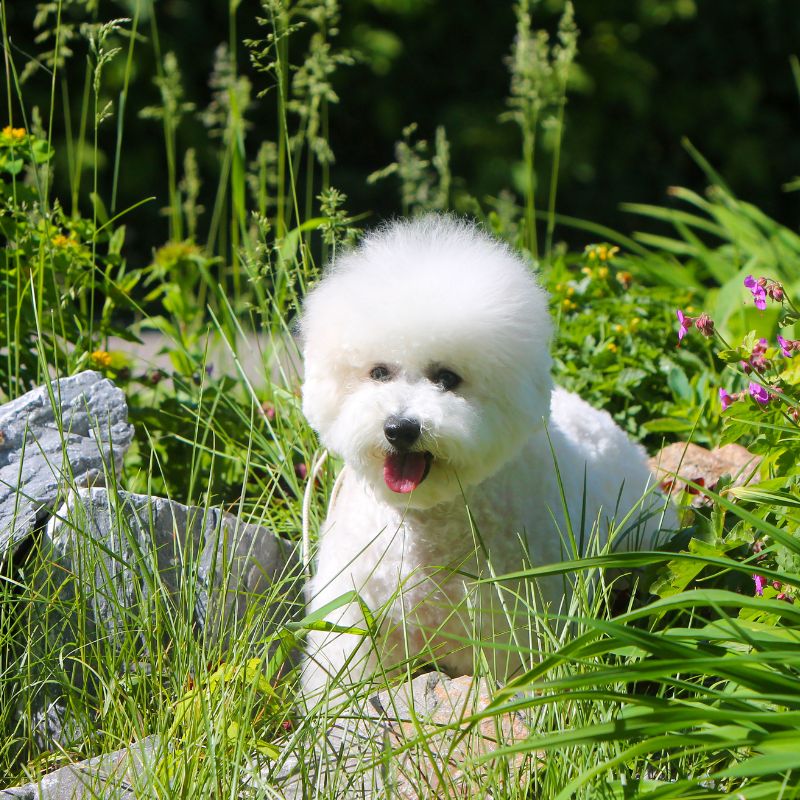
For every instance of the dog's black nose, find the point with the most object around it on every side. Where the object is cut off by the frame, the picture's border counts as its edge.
(401, 432)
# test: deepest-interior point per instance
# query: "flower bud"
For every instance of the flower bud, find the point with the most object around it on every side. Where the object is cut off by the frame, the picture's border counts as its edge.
(705, 325)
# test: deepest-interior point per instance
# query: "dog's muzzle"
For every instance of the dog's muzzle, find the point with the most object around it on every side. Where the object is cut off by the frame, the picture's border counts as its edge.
(404, 469)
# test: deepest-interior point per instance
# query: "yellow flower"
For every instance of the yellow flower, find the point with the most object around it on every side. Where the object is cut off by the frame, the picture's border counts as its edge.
(13, 135)
(59, 240)
(635, 322)
(618, 329)
(587, 271)
(602, 272)
(600, 252)
(173, 252)
(101, 358)
(625, 278)
(568, 305)
(612, 347)
(570, 291)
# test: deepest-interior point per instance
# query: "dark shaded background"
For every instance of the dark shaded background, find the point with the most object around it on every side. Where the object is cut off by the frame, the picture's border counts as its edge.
(650, 72)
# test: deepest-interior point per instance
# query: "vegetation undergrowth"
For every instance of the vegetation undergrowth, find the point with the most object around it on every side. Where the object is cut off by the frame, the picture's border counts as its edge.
(690, 690)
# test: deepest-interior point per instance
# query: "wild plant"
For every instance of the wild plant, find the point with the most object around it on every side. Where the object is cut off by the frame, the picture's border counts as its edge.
(539, 74)
(424, 174)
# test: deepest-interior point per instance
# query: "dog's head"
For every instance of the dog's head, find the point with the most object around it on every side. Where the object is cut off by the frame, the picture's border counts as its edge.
(427, 358)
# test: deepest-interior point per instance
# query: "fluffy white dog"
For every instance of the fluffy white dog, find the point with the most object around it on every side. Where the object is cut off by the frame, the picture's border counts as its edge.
(427, 370)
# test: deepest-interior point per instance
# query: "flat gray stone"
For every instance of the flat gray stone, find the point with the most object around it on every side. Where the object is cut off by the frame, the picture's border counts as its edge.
(114, 776)
(71, 432)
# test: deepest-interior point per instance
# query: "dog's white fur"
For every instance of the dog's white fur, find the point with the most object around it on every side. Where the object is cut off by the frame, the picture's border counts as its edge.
(416, 297)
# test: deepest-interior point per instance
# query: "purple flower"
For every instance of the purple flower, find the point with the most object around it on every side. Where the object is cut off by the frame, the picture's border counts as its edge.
(787, 345)
(724, 398)
(759, 583)
(759, 393)
(686, 323)
(758, 291)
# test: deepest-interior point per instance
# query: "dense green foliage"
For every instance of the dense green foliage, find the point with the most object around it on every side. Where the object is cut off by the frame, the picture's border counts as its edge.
(650, 72)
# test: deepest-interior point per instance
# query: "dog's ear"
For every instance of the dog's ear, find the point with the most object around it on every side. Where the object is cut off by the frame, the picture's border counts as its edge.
(323, 383)
(321, 397)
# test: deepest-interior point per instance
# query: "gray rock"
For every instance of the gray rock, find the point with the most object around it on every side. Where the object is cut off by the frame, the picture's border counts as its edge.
(115, 776)
(112, 557)
(139, 545)
(71, 432)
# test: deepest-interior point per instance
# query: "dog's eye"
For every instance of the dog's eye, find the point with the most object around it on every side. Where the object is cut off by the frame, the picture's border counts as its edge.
(380, 372)
(446, 379)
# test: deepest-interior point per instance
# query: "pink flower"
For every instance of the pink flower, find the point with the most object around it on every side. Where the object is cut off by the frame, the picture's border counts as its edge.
(775, 291)
(685, 322)
(787, 345)
(759, 583)
(725, 399)
(759, 393)
(758, 360)
(705, 325)
(758, 291)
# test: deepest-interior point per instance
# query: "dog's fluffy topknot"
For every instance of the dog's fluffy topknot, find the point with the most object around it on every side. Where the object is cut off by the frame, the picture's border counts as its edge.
(433, 290)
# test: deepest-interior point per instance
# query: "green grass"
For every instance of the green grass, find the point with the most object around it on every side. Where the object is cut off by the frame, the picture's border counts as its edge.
(691, 694)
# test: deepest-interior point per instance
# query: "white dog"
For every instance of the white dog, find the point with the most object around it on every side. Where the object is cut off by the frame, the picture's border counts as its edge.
(427, 370)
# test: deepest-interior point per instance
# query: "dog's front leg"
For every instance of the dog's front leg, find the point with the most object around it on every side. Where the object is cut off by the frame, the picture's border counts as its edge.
(336, 663)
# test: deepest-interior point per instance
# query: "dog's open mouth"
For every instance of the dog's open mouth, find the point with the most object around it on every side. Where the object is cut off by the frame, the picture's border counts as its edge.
(403, 472)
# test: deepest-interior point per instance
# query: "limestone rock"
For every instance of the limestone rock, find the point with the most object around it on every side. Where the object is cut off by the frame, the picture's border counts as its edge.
(71, 432)
(408, 742)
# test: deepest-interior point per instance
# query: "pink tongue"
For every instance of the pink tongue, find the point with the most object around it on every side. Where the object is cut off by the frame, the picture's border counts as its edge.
(403, 472)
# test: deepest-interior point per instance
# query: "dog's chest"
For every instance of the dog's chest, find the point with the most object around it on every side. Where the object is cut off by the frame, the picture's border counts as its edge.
(427, 588)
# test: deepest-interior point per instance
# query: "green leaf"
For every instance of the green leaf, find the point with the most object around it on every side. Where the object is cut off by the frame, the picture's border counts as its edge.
(667, 425)
(756, 494)
(764, 764)
(679, 383)
(42, 151)
(680, 573)
(729, 356)
(13, 166)
(117, 240)
(316, 619)
(99, 207)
